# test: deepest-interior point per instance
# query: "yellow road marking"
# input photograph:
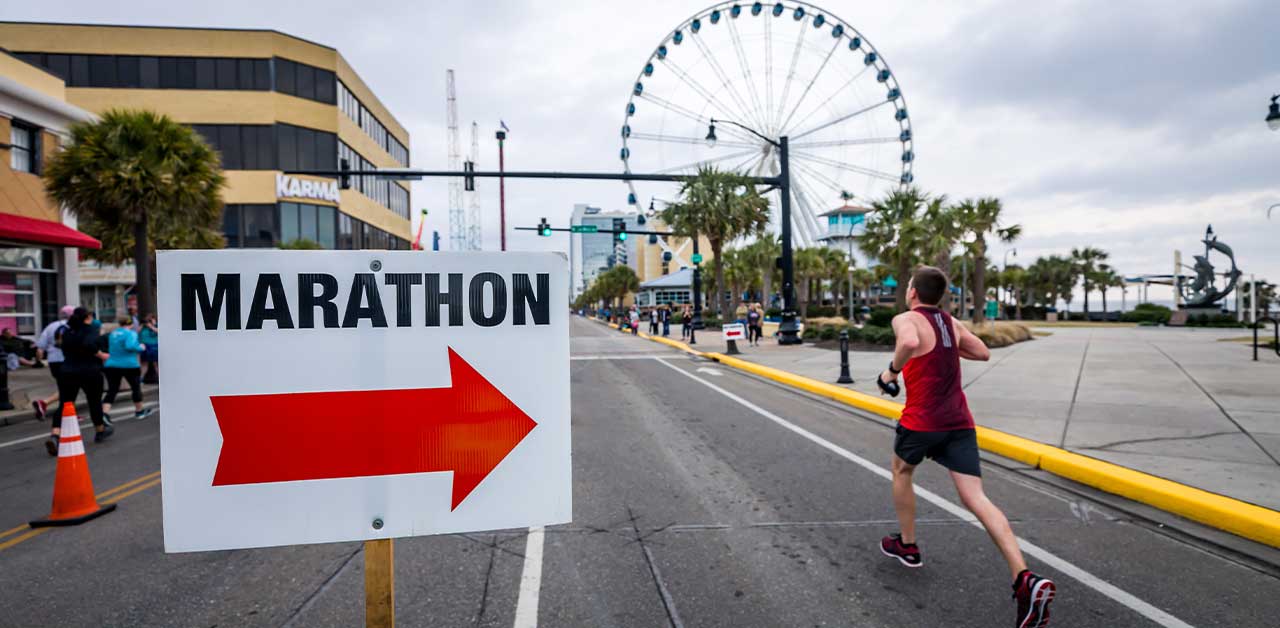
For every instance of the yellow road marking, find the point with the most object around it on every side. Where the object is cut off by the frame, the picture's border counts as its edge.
(129, 492)
(126, 485)
(18, 539)
(106, 497)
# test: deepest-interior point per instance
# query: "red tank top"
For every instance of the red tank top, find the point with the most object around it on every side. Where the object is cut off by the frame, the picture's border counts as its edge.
(935, 401)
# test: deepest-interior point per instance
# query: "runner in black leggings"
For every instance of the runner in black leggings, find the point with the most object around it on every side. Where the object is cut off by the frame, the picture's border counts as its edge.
(82, 370)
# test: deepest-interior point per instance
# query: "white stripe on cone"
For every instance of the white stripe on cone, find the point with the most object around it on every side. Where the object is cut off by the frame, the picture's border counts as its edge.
(73, 448)
(70, 426)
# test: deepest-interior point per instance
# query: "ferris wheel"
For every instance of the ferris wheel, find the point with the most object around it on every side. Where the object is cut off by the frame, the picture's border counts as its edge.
(781, 69)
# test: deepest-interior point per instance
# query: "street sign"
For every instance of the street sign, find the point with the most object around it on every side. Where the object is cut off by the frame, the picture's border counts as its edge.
(733, 331)
(323, 396)
(583, 228)
(697, 258)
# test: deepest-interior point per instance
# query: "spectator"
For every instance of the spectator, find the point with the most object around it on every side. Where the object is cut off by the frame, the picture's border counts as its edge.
(150, 337)
(136, 325)
(635, 320)
(122, 363)
(653, 321)
(49, 348)
(686, 323)
(81, 370)
(664, 315)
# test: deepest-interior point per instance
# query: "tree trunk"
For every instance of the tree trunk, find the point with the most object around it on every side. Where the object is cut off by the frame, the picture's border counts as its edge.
(142, 269)
(721, 304)
(1104, 302)
(900, 292)
(980, 281)
(1017, 303)
(804, 299)
(1086, 300)
(767, 296)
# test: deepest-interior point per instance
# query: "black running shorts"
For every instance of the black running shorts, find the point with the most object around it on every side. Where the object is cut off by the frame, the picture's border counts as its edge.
(954, 449)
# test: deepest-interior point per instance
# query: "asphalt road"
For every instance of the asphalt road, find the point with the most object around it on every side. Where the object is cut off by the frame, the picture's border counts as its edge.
(702, 497)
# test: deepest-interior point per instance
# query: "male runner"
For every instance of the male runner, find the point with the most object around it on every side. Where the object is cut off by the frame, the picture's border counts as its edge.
(936, 423)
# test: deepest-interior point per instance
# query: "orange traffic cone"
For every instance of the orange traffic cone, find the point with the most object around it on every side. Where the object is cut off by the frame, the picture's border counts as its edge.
(73, 501)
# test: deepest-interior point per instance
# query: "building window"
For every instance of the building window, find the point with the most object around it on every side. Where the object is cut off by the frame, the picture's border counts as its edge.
(305, 81)
(384, 192)
(358, 113)
(260, 229)
(305, 221)
(152, 72)
(24, 152)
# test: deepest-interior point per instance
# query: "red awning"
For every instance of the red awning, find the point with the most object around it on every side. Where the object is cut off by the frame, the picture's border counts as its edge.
(39, 231)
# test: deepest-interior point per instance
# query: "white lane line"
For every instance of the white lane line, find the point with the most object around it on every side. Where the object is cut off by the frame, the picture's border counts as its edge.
(1061, 565)
(530, 580)
(709, 371)
(83, 424)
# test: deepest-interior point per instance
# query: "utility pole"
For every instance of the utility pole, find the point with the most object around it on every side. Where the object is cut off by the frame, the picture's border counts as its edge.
(502, 186)
(474, 222)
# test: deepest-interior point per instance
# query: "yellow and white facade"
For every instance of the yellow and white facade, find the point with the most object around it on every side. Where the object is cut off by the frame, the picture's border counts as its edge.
(267, 101)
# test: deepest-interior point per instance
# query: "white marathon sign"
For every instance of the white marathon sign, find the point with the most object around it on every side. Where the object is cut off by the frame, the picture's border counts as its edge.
(733, 331)
(323, 396)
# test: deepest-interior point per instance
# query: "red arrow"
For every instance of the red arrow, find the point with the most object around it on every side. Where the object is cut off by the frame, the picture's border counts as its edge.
(467, 428)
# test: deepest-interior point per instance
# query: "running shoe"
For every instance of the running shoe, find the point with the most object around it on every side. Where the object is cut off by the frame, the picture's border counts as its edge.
(1033, 595)
(98, 437)
(39, 406)
(907, 553)
(51, 445)
(143, 413)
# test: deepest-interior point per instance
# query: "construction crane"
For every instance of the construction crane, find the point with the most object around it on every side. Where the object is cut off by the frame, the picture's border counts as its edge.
(473, 205)
(457, 215)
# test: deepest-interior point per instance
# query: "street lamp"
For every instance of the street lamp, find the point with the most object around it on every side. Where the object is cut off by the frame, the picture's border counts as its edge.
(788, 328)
(1273, 116)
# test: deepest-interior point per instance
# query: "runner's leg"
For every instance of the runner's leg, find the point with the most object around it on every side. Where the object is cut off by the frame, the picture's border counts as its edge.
(997, 525)
(904, 499)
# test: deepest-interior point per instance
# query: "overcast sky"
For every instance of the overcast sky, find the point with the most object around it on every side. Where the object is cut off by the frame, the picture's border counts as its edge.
(1127, 126)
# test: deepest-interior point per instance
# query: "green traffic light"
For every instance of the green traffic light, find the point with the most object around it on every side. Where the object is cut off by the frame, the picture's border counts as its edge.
(622, 237)
(545, 232)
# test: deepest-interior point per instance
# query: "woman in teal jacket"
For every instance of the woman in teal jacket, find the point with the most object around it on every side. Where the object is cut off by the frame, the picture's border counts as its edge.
(122, 362)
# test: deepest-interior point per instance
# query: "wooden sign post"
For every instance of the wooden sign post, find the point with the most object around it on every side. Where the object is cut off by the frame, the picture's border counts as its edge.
(379, 584)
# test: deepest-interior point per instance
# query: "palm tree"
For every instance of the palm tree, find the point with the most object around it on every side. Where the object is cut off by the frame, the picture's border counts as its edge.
(741, 275)
(980, 218)
(863, 279)
(763, 254)
(1086, 261)
(895, 235)
(616, 283)
(723, 206)
(810, 268)
(1106, 277)
(1016, 280)
(138, 181)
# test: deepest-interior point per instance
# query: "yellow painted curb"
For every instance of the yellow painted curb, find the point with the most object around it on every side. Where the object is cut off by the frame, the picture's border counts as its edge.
(1218, 511)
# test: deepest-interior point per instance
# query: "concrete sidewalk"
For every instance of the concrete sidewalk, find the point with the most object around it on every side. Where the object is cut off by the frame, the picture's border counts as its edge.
(1175, 403)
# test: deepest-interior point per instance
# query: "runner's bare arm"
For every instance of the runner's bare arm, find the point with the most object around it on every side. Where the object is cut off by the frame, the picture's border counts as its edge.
(907, 341)
(971, 347)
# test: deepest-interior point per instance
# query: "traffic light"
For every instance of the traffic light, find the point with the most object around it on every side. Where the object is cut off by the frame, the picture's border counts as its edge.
(544, 229)
(345, 179)
(469, 182)
(653, 238)
(619, 230)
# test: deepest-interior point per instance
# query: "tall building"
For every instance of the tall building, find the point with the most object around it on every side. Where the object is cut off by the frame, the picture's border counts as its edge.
(267, 101)
(39, 246)
(592, 253)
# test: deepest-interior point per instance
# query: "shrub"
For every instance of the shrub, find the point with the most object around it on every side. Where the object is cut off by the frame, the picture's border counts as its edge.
(820, 311)
(809, 333)
(1148, 313)
(1000, 334)
(828, 332)
(881, 317)
(875, 335)
(772, 312)
(821, 321)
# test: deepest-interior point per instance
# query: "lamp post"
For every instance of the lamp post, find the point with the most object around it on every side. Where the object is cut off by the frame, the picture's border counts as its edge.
(788, 328)
(1273, 116)
(501, 135)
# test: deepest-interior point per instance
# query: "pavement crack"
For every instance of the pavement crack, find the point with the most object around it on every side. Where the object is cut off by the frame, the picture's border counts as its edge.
(1156, 439)
(1221, 409)
(667, 602)
(992, 367)
(1075, 393)
(324, 586)
(488, 576)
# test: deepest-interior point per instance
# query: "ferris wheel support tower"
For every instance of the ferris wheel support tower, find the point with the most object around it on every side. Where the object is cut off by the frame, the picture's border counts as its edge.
(457, 215)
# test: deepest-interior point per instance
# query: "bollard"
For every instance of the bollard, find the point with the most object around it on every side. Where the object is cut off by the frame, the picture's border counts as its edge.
(844, 358)
(732, 348)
